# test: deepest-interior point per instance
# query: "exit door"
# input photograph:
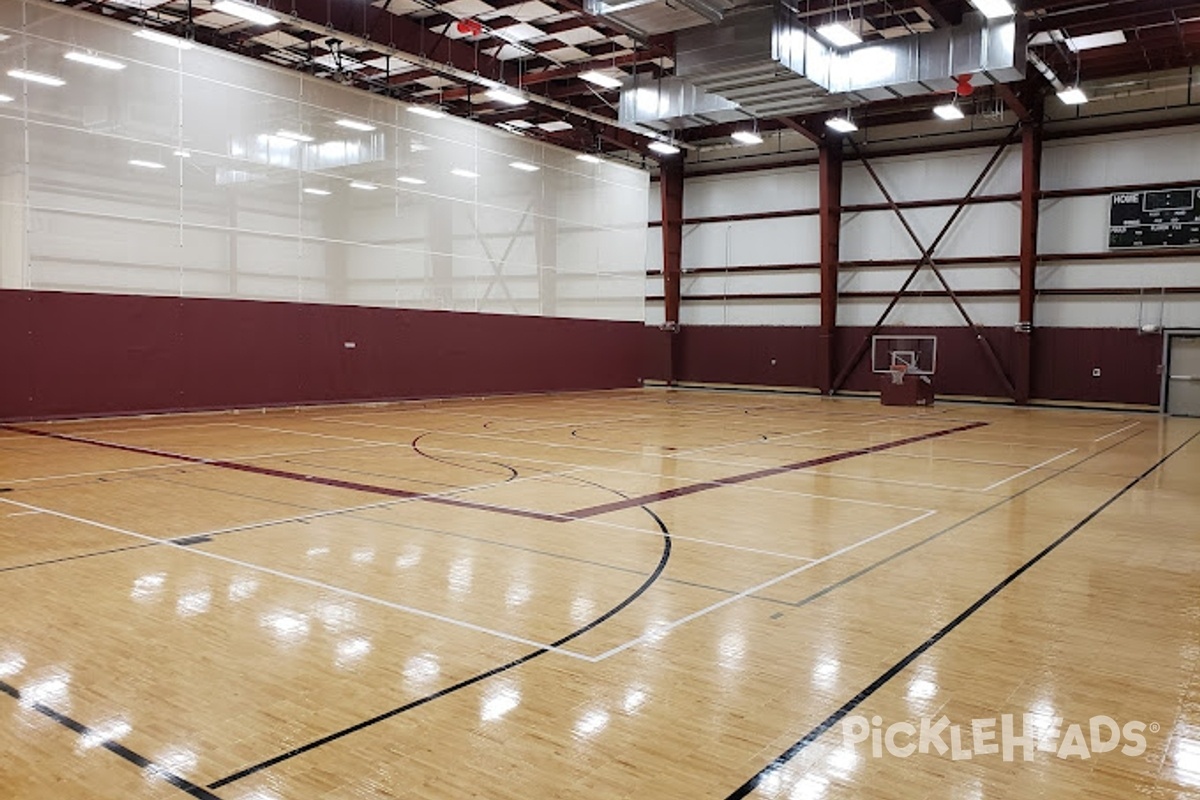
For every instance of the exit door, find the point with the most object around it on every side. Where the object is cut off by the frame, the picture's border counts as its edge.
(1183, 376)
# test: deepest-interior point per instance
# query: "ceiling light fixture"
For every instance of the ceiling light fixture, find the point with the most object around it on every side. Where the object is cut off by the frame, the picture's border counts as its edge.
(93, 60)
(5, 98)
(355, 125)
(841, 124)
(838, 35)
(245, 11)
(36, 77)
(411, 181)
(427, 111)
(665, 148)
(163, 38)
(994, 9)
(949, 111)
(137, 162)
(366, 187)
(182, 154)
(506, 97)
(318, 192)
(600, 79)
(295, 136)
(588, 158)
(1072, 96)
(464, 173)
(1094, 40)
(746, 137)
(521, 165)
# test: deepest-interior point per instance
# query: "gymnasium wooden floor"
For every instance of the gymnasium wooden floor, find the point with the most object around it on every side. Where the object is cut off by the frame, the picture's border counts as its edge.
(632, 594)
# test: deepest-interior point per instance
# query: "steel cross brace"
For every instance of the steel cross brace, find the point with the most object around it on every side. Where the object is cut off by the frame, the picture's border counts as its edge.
(926, 258)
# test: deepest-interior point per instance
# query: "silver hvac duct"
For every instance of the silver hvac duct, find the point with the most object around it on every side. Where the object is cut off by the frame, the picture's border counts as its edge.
(769, 64)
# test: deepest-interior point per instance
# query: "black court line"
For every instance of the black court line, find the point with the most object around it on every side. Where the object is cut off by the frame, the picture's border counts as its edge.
(78, 557)
(114, 747)
(516, 662)
(813, 735)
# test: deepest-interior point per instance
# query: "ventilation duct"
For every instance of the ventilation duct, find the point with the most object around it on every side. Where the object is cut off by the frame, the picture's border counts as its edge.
(769, 64)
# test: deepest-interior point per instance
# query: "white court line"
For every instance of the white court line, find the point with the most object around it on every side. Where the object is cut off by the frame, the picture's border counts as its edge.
(1118, 430)
(1031, 469)
(22, 513)
(661, 630)
(366, 598)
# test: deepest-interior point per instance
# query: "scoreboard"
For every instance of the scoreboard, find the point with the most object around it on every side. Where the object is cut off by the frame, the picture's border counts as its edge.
(1156, 218)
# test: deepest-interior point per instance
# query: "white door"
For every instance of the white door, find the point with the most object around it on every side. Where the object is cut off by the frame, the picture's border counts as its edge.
(1183, 378)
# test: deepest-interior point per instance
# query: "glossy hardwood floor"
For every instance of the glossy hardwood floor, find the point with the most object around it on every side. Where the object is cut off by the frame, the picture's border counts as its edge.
(632, 594)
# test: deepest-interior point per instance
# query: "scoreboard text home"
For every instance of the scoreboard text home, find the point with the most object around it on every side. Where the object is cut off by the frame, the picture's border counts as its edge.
(1162, 218)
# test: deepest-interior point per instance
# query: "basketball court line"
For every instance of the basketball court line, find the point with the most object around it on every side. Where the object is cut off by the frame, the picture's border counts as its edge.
(817, 732)
(1118, 430)
(1034, 468)
(320, 585)
(111, 745)
(662, 630)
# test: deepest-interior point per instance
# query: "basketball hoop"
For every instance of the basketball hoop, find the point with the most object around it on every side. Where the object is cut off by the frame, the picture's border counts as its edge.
(898, 371)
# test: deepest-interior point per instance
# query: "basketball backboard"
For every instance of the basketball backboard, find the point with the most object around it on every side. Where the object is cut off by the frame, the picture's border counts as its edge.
(917, 354)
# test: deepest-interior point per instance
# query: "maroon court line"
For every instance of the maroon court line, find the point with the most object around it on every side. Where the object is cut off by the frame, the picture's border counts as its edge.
(296, 476)
(694, 488)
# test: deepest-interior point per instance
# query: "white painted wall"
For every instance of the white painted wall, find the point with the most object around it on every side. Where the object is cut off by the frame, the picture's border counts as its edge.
(1074, 225)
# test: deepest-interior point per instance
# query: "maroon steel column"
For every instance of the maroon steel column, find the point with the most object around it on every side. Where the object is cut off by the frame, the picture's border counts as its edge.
(671, 186)
(1031, 187)
(831, 228)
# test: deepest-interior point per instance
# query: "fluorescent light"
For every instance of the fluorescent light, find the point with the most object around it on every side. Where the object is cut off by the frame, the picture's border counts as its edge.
(521, 165)
(841, 125)
(163, 38)
(366, 187)
(36, 77)
(411, 181)
(507, 97)
(244, 11)
(182, 154)
(464, 173)
(994, 9)
(948, 111)
(355, 125)
(318, 192)
(1094, 40)
(555, 125)
(293, 135)
(137, 162)
(746, 137)
(587, 158)
(838, 35)
(1072, 96)
(427, 111)
(5, 98)
(93, 61)
(591, 76)
(664, 148)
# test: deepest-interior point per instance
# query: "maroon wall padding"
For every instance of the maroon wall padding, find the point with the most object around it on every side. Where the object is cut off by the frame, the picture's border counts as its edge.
(1063, 359)
(68, 354)
(760, 355)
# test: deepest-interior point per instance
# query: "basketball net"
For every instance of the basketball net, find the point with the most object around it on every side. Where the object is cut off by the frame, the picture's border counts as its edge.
(898, 371)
